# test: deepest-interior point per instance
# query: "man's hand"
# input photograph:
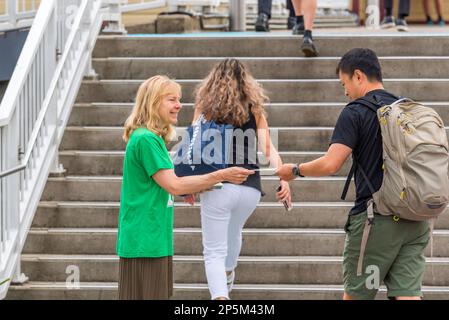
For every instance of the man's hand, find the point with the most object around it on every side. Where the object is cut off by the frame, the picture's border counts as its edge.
(285, 172)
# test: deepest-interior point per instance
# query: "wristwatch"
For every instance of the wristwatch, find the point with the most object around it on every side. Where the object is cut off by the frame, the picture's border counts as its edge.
(296, 172)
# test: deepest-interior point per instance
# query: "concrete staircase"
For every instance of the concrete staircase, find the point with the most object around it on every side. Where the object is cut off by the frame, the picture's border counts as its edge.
(294, 255)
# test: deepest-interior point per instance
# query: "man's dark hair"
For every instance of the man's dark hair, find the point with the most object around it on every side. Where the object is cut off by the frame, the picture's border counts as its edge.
(362, 59)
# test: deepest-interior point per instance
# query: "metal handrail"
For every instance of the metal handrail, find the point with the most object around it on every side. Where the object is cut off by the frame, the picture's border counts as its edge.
(19, 196)
(46, 104)
(6, 112)
(14, 18)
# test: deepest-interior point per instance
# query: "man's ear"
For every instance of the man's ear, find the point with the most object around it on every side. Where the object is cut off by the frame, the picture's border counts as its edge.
(359, 75)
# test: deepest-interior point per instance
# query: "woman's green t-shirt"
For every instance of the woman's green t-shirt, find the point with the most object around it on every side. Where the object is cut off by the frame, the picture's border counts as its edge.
(145, 228)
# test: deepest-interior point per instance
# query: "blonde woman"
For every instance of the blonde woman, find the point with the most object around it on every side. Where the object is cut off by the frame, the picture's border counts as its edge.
(230, 95)
(145, 230)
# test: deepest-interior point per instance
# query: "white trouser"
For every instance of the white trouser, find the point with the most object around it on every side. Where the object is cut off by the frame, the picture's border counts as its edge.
(223, 215)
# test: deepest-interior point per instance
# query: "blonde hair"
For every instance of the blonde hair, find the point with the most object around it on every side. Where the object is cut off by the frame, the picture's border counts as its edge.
(146, 109)
(228, 93)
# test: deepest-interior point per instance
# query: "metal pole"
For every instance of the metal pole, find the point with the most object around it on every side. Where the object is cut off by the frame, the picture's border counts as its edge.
(237, 12)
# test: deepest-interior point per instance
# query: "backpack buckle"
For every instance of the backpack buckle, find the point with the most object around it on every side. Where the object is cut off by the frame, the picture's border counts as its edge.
(370, 212)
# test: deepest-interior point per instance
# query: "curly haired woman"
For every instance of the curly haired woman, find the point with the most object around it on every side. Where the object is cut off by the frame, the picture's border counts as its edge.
(230, 95)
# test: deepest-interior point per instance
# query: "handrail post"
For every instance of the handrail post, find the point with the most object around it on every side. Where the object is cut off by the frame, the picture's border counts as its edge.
(19, 277)
(237, 12)
(12, 12)
(52, 43)
(114, 18)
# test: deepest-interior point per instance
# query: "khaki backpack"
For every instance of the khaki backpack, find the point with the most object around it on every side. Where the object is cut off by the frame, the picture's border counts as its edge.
(415, 184)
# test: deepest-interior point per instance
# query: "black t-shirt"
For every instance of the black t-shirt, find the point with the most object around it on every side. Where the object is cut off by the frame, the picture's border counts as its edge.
(358, 128)
(246, 155)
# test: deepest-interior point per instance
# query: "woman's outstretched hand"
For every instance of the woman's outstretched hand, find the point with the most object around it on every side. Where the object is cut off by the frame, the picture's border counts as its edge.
(236, 175)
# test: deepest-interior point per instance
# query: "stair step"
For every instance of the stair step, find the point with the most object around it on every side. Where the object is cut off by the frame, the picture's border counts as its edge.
(264, 68)
(84, 163)
(310, 139)
(280, 90)
(299, 114)
(190, 269)
(269, 44)
(102, 188)
(267, 215)
(187, 241)
(108, 291)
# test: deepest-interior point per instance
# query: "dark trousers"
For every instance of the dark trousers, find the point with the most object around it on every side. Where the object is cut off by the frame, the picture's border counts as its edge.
(264, 6)
(291, 8)
(404, 6)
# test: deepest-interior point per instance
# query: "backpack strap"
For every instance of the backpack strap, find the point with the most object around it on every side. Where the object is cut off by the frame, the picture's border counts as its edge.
(348, 181)
(368, 223)
(374, 102)
(351, 174)
(369, 212)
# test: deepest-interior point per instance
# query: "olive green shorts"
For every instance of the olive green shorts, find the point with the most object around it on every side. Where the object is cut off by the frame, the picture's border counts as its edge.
(394, 255)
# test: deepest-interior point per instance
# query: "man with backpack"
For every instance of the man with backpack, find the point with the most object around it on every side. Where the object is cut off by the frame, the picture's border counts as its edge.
(400, 163)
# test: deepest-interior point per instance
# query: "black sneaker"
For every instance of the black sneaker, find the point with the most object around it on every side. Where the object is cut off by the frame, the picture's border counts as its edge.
(291, 22)
(298, 29)
(262, 23)
(308, 48)
(401, 25)
(388, 22)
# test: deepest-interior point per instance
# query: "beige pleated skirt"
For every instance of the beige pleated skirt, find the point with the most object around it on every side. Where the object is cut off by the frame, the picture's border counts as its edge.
(146, 278)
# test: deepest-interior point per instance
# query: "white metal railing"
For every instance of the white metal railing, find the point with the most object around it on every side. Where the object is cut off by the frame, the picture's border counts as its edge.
(34, 113)
(137, 5)
(17, 14)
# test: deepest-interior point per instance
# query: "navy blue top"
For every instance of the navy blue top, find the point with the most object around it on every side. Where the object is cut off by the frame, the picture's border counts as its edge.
(245, 154)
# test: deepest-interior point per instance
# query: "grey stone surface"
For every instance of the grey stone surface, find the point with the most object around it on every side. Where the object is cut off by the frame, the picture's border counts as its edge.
(268, 46)
(176, 23)
(294, 255)
(291, 91)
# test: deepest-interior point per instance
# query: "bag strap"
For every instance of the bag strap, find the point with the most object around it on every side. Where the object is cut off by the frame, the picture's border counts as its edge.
(351, 174)
(195, 130)
(366, 230)
(348, 181)
(373, 102)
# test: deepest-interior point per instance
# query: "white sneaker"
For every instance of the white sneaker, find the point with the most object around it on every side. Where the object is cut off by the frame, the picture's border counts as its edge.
(230, 280)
